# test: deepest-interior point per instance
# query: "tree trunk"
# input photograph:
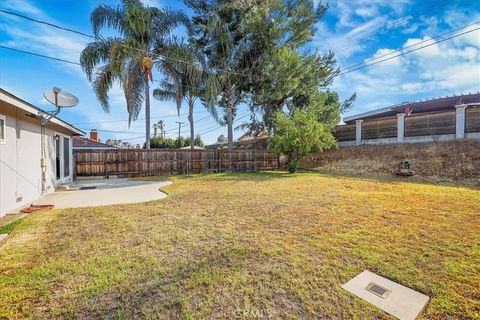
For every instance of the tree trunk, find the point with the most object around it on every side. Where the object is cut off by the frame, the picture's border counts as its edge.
(190, 119)
(147, 113)
(230, 127)
(229, 117)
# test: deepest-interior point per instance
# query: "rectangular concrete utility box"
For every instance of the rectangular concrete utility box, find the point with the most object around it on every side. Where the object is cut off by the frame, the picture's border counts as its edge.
(393, 298)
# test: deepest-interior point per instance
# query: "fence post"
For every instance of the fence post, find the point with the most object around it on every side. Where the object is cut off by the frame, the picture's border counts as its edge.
(400, 126)
(358, 132)
(105, 170)
(460, 121)
(74, 166)
(220, 161)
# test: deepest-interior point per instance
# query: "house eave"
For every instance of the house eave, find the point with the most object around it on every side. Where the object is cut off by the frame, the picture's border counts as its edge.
(30, 108)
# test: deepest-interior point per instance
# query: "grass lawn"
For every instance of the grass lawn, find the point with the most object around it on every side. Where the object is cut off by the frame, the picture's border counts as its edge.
(247, 245)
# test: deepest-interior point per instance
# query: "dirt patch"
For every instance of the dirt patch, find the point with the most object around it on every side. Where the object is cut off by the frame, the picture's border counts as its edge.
(9, 218)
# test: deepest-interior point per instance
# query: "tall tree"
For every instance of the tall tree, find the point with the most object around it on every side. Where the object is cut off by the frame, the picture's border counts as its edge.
(127, 58)
(191, 82)
(220, 29)
(288, 72)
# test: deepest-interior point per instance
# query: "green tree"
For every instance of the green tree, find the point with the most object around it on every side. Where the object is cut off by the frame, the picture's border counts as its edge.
(126, 57)
(198, 141)
(162, 143)
(181, 142)
(221, 139)
(287, 73)
(220, 29)
(190, 82)
(301, 133)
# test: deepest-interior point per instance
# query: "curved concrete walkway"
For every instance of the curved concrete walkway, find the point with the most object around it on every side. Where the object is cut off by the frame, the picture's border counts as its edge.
(106, 193)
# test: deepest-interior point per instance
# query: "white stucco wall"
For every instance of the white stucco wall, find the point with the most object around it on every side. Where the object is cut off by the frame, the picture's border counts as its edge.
(20, 169)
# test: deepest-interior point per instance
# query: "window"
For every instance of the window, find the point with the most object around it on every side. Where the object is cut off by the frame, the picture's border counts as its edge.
(2, 129)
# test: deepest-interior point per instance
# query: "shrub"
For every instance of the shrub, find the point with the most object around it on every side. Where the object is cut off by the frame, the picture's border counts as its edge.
(300, 134)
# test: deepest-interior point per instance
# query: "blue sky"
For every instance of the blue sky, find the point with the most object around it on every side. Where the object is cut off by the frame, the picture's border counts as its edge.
(448, 68)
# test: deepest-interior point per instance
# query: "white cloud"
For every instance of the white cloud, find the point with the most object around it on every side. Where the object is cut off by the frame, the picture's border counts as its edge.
(384, 54)
(153, 3)
(21, 6)
(451, 67)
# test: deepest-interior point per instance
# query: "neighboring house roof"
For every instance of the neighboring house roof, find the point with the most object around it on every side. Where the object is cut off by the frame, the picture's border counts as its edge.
(35, 111)
(417, 107)
(249, 136)
(194, 147)
(85, 143)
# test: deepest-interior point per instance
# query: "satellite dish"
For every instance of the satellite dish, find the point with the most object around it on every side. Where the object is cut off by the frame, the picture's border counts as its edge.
(61, 99)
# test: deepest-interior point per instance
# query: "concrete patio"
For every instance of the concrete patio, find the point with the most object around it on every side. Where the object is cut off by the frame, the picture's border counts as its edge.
(93, 193)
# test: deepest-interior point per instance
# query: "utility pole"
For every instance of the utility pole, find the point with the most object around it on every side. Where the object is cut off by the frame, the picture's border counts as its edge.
(179, 127)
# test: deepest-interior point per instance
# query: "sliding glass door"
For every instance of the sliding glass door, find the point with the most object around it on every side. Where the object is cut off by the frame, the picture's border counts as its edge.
(62, 157)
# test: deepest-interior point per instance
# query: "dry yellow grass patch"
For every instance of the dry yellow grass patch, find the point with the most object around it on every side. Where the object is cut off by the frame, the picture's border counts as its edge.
(267, 244)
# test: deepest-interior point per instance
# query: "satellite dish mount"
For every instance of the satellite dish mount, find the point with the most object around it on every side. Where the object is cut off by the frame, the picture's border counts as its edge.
(60, 99)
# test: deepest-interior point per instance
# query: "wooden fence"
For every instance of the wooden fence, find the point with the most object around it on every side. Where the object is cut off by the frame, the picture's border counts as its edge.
(431, 123)
(130, 163)
(344, 132)
(421, 124)
(472, 120)
(377, 129)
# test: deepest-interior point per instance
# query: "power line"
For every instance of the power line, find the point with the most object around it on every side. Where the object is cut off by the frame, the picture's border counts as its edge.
(411, 46)
(195, 121)
(46, 23)
(407, 52)
(218, 127)
(394, 24)
(342, 73)
(156, 117)
(50, 24)
(139, 137)
(112, 131)
(39, 55)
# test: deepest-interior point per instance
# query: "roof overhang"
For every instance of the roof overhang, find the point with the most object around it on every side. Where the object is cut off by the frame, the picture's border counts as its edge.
(367, 114)
(30, 108)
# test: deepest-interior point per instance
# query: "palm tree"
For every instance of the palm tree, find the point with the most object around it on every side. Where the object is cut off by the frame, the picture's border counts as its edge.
(127, 59)
(230, 52)
(188, 81)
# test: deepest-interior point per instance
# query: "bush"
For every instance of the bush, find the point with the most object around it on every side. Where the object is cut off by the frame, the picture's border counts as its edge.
(300, 134)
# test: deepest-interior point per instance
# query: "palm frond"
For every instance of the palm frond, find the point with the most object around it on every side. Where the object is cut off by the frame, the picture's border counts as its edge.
(95, 53)
(102, 83)
(133, 84)
(164, 95)
(106, 16)
(165, 21)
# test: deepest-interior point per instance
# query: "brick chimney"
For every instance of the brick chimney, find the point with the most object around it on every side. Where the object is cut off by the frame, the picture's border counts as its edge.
(94, 135)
